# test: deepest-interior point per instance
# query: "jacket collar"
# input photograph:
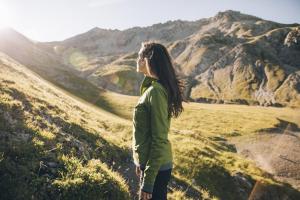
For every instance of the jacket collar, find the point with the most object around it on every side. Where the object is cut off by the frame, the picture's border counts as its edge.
(147, 82)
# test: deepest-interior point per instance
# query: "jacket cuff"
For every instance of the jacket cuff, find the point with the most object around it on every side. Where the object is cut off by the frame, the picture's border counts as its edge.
(147, 187)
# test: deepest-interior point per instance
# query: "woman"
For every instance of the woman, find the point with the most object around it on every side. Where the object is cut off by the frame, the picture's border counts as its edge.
(161, 96)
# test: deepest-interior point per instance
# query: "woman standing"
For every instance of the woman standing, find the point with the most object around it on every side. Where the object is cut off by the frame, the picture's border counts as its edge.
(161, 96)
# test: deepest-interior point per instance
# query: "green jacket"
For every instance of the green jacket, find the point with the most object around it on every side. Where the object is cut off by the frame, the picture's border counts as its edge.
(152, 150)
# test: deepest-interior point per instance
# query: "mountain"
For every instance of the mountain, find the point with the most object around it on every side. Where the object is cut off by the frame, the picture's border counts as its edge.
(100, 50)
(243, 59)
(229, 58)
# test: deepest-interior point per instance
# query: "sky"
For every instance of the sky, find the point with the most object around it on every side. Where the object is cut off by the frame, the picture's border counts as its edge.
(57, 20)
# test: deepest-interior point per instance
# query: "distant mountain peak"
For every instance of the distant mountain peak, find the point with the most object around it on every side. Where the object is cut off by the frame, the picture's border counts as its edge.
(228, 12)
(232, 15)
(98, 29)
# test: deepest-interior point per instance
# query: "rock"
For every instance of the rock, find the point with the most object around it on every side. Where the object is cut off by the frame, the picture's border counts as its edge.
(293, 38)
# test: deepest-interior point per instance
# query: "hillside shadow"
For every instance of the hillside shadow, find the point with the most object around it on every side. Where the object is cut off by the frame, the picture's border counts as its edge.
(275, 192)
(222, 144)
(189, 190)
(281, 127)
(220, 183)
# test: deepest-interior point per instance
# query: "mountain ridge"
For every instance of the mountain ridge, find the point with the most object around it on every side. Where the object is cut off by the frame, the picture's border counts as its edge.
(196, 47)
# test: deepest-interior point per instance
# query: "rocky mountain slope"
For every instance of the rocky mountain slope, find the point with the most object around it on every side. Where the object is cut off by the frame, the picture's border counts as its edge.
(229, 58)
(100, 50)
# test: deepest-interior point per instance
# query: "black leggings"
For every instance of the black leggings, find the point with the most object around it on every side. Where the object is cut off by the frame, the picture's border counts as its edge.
(160, 184)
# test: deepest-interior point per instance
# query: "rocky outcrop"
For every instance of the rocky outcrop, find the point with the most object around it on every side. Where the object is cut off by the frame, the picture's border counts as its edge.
(257, 71)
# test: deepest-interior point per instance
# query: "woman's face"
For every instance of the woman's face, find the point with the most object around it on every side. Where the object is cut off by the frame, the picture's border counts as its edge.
(141, 63)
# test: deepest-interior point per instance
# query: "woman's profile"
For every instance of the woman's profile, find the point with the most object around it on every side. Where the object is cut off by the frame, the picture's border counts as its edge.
(161, 97)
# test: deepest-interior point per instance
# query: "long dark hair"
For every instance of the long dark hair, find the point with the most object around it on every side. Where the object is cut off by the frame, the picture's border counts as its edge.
(160, 63)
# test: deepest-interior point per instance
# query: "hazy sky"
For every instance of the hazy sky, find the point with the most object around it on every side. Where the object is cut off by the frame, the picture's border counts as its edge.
(43, 20)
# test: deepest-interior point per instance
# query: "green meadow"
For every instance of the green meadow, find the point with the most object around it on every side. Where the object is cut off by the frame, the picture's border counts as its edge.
(55, 145)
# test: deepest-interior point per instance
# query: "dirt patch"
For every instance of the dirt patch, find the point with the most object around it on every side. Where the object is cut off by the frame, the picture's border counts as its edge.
(276, 152)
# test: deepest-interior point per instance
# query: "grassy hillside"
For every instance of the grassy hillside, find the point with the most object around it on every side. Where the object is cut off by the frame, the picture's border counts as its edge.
(207, 163)
(56, 146)
(210, 160)
(119, 76)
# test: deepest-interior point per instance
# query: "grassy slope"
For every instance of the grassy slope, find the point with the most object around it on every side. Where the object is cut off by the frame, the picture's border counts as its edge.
(210, 155)
(54, 146)
(73, 147)
(206, 161)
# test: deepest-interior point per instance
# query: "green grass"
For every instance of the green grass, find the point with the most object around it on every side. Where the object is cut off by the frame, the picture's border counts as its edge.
(51, 148)
(204, 157)
(54, 145)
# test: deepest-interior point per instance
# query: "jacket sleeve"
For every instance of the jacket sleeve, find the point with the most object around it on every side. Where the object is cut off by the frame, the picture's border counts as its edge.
(157, 102)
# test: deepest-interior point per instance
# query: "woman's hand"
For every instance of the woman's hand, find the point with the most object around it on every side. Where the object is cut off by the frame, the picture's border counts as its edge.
(145, 195)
